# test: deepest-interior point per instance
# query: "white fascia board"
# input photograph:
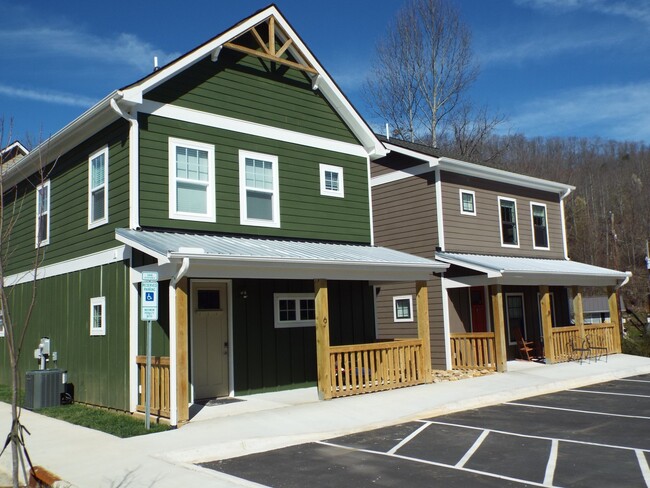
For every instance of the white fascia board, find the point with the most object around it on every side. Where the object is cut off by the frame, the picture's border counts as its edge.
(252, 128)
(13, 145)
(490, 272)
(162, 258)
(493, 174)
(401, 174)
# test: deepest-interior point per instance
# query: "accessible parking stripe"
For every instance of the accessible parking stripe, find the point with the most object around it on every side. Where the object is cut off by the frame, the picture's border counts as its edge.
(611, 393)
(472, 449)
(407, 439)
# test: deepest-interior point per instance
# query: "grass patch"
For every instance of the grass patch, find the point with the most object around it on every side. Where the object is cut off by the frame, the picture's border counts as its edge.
(5, 394)
(114, 423)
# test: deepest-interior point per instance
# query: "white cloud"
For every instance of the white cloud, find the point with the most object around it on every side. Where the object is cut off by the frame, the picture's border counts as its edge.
(46, 96)
(638, 10)
(619, 112)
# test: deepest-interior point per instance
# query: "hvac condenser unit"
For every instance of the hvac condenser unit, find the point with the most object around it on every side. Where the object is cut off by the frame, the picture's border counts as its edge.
(43, 388)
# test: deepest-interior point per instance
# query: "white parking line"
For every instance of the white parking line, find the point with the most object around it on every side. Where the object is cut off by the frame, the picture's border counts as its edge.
(472, 450)
(643, 464)
(407, 439)
(550, 466)
(519, 404)
(634, 381)
(611, 393)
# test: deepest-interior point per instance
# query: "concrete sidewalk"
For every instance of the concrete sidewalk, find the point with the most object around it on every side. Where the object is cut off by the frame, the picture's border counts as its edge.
(88, 458)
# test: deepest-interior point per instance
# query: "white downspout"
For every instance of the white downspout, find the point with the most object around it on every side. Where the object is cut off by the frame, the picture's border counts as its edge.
(564, 240)
(173, 399)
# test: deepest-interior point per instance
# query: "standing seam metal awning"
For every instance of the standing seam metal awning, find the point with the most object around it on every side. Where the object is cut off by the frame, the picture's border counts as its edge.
(236, 256)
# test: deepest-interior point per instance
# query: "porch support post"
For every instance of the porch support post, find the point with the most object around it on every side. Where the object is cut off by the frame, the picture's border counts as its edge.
(424, 333)
(547, 323)
(182, 357)
(322, 340)
(614, 317)
(499, 328)
(578, 311)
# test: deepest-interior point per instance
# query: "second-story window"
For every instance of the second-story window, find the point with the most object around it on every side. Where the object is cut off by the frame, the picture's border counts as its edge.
(467, 202)
(98, 188)
(540, 227)
(331, 180)
(508, 216)
(191, 181)
(43, 214)
(259, 189)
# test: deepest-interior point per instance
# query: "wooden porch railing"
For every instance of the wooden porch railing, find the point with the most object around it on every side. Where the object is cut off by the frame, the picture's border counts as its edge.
(473, 350)
(365, 368)
(601, 335)
(160, 405)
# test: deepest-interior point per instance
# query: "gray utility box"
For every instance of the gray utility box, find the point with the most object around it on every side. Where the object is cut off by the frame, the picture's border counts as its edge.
(43, 388)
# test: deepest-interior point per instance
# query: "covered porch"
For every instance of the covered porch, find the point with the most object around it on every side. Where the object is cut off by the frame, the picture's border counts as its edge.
(524, 302)
(262, 275)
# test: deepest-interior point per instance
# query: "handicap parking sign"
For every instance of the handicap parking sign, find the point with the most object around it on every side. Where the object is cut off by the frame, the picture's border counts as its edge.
(149, 301)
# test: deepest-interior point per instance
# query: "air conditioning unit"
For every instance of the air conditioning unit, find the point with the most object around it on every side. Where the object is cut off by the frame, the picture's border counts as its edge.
(43, 388)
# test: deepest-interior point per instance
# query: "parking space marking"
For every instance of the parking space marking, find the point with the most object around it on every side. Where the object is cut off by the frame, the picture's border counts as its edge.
(634, 381)
(472, 450)
(611, 393)
(552, 462)
(643, 464)
(407, 439)
(518, 404)
(433, 463)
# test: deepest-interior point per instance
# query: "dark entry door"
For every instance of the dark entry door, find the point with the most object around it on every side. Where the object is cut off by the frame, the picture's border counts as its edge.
(477, 299)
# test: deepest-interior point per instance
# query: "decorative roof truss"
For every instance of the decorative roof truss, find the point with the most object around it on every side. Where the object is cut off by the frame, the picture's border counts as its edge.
(269, 49)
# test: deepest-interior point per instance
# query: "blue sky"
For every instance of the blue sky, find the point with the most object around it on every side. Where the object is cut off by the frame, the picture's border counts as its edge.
(553, 67)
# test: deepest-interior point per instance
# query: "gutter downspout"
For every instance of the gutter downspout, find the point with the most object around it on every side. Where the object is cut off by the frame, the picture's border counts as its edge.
(564, 240)
(628, 275)
(134, 164)
(173, 351)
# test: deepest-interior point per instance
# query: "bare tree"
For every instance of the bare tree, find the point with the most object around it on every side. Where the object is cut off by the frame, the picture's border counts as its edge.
(423, 68)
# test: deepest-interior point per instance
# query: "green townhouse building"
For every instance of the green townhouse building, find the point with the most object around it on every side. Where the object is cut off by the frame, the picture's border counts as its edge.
(240, 174)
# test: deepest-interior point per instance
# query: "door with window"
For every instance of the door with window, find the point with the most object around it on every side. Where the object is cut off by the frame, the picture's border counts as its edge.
(210, 344)
(477, 300)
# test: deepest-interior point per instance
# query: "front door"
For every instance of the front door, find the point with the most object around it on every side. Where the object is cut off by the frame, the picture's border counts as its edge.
(477, 299)
(210, 340)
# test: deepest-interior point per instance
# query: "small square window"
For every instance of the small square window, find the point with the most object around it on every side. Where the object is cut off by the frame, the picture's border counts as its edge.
(208, 300)
(467, 202)
(294, 310)
(331, 181)
(403, 308)
(98, 316)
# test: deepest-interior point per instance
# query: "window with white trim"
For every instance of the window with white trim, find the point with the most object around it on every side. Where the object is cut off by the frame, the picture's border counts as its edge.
(294, 310)
(508, 222)
(191, 181)
(331, 180)
(98, 316)
(259, 194)
(540, 225)
(515, 316)
(467, 202)
(403, 308)
(98, 188)
(43, 214)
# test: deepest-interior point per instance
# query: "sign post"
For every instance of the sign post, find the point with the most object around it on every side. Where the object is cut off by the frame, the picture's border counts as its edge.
(148, 313)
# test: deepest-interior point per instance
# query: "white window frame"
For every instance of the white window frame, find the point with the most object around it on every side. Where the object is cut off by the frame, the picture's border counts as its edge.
(98, 331)
(210, 215)
(286, 324)
(511, 340)
(340, 193)
(275, 192)
(410, 300)
(507, 199)
(96, 223)
(44, 185)
(532, 225)
(469, 192)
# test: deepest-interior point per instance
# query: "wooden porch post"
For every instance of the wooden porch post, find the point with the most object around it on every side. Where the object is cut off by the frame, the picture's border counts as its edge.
(424, 333)
(182, 356)
(322, 340)
(578, 311)
(614, 317)
(547, 324)
(499, 328)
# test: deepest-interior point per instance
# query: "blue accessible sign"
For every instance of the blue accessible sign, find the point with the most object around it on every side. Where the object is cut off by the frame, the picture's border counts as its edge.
(149, 297)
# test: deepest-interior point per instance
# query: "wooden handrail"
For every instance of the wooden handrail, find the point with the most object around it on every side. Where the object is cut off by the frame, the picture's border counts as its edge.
(473, 350)
(160, 385)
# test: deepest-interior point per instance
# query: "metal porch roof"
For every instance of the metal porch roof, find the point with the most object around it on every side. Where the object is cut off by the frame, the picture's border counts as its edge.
(272, 257)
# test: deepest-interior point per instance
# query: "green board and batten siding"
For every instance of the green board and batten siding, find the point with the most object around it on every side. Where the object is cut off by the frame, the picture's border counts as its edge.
(304, 212)
(68, 174)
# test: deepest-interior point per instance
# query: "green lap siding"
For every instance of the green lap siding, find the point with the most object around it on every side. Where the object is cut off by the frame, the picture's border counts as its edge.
(244, 87)
(68, 175)
(97, 365)
(304, 212)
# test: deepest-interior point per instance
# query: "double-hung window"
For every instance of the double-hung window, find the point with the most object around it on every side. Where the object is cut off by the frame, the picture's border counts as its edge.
(259, 194)
(540, 226)
(508, 219)
(331, 181)
(467, 202)
(98, 188)
(43, 214)
(294, 310)
(98, 316)
(191, 181)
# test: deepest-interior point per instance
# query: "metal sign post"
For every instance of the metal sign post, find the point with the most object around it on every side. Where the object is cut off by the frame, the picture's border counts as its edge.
(148, 312)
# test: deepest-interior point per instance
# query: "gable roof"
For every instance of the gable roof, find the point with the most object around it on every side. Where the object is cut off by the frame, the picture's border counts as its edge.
(110, 108)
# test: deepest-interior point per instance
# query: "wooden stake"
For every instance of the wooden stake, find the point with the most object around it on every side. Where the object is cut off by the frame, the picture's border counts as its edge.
(182, 356)
(499, 328)
(424, 332)
(322, 340)
(547, 324)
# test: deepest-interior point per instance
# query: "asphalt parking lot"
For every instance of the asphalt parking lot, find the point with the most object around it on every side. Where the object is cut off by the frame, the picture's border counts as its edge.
(596, 436)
